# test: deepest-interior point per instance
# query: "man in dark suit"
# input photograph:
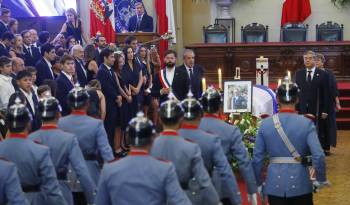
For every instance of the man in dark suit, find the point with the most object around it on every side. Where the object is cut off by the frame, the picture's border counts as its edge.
(24, 82)
(78, 54)
(101, 44)
(194, 73)
(31, 53)
(65, 82)
(44, 66)
(141, 21)
(238, 101)
(170, 79)
(313, 85)
(7, 40)
(109, 86)
(4, 20)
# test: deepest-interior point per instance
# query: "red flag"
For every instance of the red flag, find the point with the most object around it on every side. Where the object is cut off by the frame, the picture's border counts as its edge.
(162, 24)
(102, 19)
(295, 11)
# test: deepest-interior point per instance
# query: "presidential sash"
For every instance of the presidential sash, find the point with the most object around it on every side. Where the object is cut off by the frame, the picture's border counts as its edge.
(162, 78)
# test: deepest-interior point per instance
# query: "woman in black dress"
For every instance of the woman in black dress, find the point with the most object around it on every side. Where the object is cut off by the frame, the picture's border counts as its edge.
(73, 27)
(90, 61)
(132, 74)
(123, 116)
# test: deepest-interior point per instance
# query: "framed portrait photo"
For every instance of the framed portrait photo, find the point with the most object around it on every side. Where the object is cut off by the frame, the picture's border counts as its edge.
(237, 96)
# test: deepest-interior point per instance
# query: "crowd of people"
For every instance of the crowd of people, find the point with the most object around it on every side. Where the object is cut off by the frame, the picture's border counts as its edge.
(91, 104)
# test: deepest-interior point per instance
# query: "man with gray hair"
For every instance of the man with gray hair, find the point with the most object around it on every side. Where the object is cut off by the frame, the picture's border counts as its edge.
(78, 53)
(194, 72)
(313, 94)
(141, 21)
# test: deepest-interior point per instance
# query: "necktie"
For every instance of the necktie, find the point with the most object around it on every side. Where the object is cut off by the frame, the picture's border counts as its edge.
(191, 73)
(138, 23)
(30, 51)
(309, 76)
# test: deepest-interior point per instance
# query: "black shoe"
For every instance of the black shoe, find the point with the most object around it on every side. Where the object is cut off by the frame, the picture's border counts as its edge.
(327, 153)
(121, 154)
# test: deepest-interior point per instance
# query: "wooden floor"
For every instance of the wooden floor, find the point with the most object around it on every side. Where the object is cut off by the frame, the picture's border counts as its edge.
(338, 173)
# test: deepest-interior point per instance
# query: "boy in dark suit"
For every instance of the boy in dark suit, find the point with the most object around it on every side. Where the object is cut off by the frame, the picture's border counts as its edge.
(24, 82)
(65, 82)
(44, 66)
(141, 21)
(7, 39)
(110, 89)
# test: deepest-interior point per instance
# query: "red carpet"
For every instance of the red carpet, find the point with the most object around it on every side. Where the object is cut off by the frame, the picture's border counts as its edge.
(243, 190)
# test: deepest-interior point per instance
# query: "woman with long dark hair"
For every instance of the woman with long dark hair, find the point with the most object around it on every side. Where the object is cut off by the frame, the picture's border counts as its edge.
(123, 116)
(132, 74)
(90, 61)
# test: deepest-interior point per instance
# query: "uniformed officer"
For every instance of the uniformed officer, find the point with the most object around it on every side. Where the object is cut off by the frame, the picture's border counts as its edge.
(91, 136)
(64, 150)
(287, 138)
(10, 186)
(212, 152)
(140, 178)
(186, 156)
(35, 169)
(231, 142)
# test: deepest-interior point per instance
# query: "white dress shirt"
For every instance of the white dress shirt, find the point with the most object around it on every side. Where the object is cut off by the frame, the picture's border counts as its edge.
(29, 97)
(6, 90)
(169, 73)
(312, 72)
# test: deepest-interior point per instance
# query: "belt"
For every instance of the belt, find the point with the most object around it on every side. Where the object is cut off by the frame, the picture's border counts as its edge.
(90, 157)
(284, 160)
(33, 188)
(61, 174)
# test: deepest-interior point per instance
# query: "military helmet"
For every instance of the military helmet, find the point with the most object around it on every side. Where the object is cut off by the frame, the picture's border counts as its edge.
(49, 107)
(170, 112)
(192, 108)
(140, 131)
(287, 92)
(78, 97)
(211, 100)
(18, 116)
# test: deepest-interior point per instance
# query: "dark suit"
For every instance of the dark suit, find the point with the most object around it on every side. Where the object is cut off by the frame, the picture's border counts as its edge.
(3, 28)
(146, 24)
(36, 122)
(81, 75)
(31, 60)
(196, 81)
(99, 61)
(64, 85)
(313, 97)
(43, 72)
(180, 85)
(4, 51)
(109, 88)
(238, 102)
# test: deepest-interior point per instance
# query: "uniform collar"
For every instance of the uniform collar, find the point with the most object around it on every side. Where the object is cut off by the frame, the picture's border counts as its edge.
(212, 116)
(49, 127)
(189, 126)
(79, 112)
(287, 110)
(169, 133)
(138, 152)
(18, 135)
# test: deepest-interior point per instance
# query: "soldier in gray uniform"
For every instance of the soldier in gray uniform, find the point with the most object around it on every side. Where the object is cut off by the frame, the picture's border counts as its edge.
(212, 153)
(231, 142)
(140, 178)
(35, 169)
(64, 150)
(288, 138)
(10, 187)
(91, 136)
(186, 156)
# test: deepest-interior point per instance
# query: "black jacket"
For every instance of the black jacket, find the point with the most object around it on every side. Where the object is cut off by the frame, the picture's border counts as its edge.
(196, 82)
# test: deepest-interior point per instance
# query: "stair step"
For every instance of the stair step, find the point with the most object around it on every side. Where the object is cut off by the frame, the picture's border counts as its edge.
(343, 124)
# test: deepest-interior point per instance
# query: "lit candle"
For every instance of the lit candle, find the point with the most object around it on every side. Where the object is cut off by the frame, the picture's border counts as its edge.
(220, 78)
(204, 85)
(279, 82)
(289, 76)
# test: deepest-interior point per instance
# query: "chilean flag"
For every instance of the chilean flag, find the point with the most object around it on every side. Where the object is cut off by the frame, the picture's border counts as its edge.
(295, 11)
(102, 19)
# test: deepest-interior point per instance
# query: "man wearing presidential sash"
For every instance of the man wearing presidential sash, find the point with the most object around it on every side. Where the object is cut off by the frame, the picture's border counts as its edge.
(170, 81)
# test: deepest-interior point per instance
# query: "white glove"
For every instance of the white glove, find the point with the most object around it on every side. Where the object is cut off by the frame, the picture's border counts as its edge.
(252, 198)
(320, 185)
